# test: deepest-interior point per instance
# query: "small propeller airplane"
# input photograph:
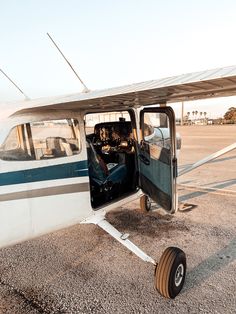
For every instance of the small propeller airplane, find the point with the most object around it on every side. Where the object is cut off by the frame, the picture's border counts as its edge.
(71, 159)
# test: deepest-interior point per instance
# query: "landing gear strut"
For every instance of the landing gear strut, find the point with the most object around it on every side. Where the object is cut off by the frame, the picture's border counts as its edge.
(171, 270)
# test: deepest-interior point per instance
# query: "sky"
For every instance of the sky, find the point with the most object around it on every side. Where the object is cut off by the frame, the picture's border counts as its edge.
(113, 43)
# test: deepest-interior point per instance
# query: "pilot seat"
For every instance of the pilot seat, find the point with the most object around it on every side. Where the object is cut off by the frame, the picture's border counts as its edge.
(105, 184)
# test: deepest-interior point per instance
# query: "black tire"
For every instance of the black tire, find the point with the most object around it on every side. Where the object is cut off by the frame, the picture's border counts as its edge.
(170, 272)
(145, 204)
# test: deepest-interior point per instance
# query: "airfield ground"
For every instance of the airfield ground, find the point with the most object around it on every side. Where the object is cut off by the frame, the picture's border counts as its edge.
(83, 270)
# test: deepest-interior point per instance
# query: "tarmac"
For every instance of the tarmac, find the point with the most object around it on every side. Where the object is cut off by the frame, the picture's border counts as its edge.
(82, 269)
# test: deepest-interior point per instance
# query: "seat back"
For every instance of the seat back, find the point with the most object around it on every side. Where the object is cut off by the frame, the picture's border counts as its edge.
(96, 166)
(55, 145)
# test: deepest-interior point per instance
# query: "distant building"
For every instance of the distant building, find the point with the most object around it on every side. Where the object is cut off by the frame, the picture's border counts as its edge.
(218, 121)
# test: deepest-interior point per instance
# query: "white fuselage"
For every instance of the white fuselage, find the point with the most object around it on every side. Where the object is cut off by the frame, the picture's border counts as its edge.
(34, 207)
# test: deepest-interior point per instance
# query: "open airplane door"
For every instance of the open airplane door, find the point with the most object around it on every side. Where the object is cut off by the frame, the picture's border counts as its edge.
(157, 156)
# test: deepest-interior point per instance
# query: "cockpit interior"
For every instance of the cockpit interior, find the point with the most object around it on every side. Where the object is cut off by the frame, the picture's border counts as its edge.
(112, 160)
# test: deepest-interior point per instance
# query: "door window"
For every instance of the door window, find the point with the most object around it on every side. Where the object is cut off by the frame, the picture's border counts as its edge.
(156, 129)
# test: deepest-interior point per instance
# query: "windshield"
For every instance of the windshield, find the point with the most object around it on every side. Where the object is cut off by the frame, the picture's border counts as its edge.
(5, 129)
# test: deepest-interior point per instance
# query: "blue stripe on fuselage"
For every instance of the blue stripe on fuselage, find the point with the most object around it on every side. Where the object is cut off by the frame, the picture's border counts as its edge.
(62, 171)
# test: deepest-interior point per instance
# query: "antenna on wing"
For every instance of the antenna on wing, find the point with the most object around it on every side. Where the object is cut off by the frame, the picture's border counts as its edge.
(26, 97)
(86, 90)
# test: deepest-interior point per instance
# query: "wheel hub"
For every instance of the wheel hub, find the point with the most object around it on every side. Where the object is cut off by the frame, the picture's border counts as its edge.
(179, 275)
(149, 203)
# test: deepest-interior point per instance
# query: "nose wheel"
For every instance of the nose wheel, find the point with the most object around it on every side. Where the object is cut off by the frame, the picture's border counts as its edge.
(170, 272)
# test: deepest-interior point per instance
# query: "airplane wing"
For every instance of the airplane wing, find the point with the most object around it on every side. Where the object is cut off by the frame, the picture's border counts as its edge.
(198, 85)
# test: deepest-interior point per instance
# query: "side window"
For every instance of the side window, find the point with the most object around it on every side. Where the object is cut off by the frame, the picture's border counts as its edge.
(42, 140)
(16, 145)
(55, 138)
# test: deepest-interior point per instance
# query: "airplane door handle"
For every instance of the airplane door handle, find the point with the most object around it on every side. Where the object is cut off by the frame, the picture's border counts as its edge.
(175, 168)
(144, 159)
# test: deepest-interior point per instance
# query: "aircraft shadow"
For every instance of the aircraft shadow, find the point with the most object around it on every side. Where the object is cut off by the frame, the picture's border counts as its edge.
(219, 186)
(223, 184)
(211, 265)
(136, 222)
(183, 167)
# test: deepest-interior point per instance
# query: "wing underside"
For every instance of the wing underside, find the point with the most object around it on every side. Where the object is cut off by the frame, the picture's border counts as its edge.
(206, 84)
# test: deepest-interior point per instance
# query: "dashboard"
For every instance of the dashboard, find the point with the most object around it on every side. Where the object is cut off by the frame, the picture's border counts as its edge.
(113, 136)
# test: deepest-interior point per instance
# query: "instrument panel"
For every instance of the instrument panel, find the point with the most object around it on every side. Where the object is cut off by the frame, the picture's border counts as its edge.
(114, 135)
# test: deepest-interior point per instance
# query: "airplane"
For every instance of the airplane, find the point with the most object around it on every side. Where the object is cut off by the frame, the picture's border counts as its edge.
(71, 159)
